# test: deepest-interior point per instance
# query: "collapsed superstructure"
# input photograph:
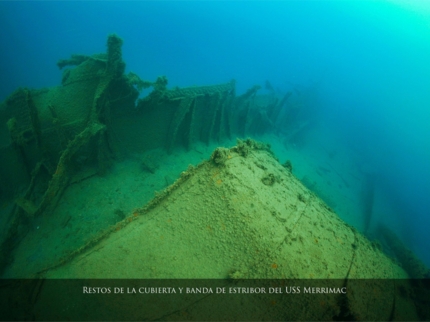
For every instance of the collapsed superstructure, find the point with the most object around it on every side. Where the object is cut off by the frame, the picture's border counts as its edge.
(49, 135)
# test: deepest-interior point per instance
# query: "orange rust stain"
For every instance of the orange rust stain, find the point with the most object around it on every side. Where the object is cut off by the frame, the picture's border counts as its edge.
(219, 181)
(215, 173)
(274, 266)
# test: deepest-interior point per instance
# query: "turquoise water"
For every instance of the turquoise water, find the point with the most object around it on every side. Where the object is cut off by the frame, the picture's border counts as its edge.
(367, 61)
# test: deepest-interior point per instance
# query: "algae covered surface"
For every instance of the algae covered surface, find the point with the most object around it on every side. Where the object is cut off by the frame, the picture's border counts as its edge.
(245, 216)
(243, 224)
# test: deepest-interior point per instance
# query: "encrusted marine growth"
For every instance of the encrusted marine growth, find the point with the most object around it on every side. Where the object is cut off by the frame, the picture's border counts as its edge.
(288, 165)
(115, 64)
(243, 147)
(269, 179)
(220, 155)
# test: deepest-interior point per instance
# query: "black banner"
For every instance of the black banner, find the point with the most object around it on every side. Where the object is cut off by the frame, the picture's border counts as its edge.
(214, 300)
